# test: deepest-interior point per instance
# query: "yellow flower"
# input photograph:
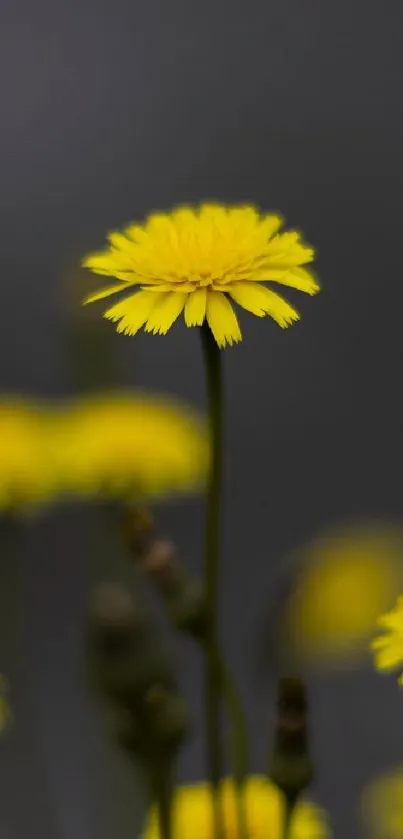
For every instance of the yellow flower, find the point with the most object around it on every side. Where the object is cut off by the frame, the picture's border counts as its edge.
(382, 806)
(27, 473)
(346, 580)
(193, 819)
(196, 260)
(122, 444)
(388, 648)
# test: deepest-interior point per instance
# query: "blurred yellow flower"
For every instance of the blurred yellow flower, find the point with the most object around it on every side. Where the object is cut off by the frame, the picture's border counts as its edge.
(388, 648)
(131, 445)
(193, 819)
(346, 580)
(195, 261)
(382, 806)
(27, 473)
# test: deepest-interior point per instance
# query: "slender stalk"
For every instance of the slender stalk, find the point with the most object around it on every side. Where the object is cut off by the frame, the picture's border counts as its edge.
(161, 787)
(290, 802)
(211, 577)
(239, 743)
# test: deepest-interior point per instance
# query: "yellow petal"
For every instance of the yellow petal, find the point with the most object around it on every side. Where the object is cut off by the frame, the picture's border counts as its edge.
(106, 262)
(222, 319)
(160, 227)
(302, 280)
(388, 658)
(298, 278)
(270, 224)
(165, 313)
(195, 308)
(123, 246)
(132, 312)
(119, 264)
(172, 286)
(105, 292)
(214, 215)
(379, 643)
(243, 219)
(183, 219)
(262, 301)
(287, 249)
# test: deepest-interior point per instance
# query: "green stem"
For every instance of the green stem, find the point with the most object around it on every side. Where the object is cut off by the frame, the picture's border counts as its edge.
(160, 778)
(290, 802)
(211, 574)
(239, 742)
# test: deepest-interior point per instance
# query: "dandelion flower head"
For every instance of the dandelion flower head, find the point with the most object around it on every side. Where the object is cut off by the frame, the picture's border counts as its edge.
(382, 805)
(388, 647)
(347, 579)
(199, 261)
(28, 478)
(134, 446)
(193, 817)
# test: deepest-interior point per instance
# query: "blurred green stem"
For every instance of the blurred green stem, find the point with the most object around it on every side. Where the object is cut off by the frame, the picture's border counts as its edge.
(290, 802)
(160, 772)
(239, 742)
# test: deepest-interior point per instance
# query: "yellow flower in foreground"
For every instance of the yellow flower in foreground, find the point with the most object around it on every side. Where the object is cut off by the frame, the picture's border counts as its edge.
(345, 582)
(121, 444)
(382, 806)
(388, 648)
(193, 819)
(198, 260)
(27, 475)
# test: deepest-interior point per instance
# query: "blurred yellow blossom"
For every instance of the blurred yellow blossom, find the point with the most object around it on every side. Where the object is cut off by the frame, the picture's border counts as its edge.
(198, 261)
(264, 805)
(27, 470)
(388, 647)
(131, 445)
(382, 806)
(346, 580)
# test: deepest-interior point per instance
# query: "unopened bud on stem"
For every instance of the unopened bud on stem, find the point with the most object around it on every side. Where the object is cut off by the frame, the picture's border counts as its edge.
(124, 656)
(138, 530)
(291, 767)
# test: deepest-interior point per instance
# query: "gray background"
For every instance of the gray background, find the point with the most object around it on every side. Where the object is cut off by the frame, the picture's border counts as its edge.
(109, 111)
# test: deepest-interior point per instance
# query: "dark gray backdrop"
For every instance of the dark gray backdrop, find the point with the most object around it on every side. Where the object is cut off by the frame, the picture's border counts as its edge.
(108, 111)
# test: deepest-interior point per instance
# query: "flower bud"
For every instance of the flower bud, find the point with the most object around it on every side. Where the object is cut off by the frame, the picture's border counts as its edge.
(115, 618)
(183, 596)
(154, 727)
(126, 729)
(187, 611)
(125, 658)
(167, 719)
(161, 566)
(158, 560)
(138, 530)
(291, 767)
